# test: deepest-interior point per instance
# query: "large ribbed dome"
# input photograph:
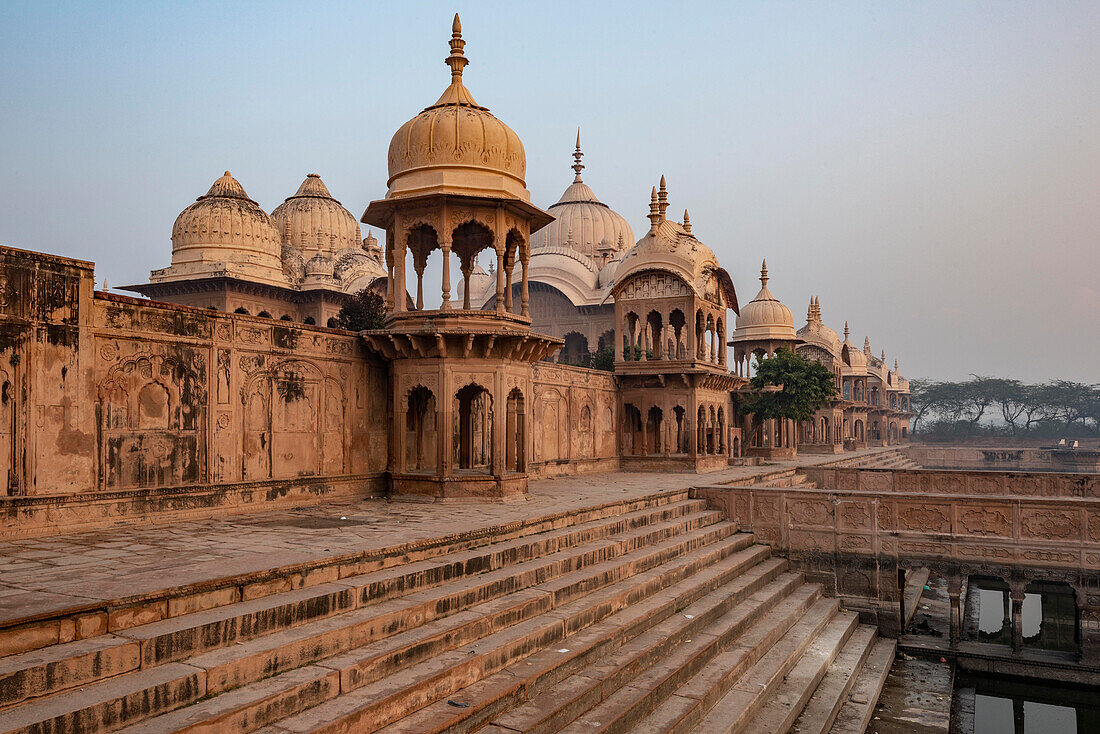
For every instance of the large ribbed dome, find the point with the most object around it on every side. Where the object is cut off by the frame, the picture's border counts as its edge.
(764, 317)
(456, 144)
(225, 226)
(583, 222)
(313, 221)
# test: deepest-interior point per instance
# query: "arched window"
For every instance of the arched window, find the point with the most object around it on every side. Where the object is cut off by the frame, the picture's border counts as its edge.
(241, 310)
(474, 413)
(332, 323)
(285, 317)
(264, 314)
(310, 321)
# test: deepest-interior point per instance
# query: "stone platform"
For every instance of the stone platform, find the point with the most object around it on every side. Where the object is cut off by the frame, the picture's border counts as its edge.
(609, 598)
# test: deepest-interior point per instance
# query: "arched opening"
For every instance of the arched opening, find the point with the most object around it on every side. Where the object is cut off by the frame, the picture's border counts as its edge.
(607, 339)
(310, 321)
(721, 439)
(655, 327)
(575, 351)
(858, 430)
(515, 433)
(241, 310)
(332, 324)
(474, 437)
(467, 240)
(712, 443)
(653, 430)
(264, 314)
(681, 441)
(420, 441)
(285, 317)
(514, 245)
(632, 430)
(701, 431)
(422, 239)
(679, 336)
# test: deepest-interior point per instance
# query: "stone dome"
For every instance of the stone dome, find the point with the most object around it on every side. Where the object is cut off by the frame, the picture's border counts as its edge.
(672, 247)
(457, 145)
(319, 264)
(313, 221)
(225, 227)
(816, 332)
(764, 317)
(583, 222)
(855, 360)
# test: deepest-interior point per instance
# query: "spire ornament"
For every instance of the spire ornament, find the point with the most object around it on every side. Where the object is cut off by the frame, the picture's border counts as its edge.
(457, 60)
(687, 222)
(577, 155)
(662, 198)
(764, 274)
(845, 331)
(654, 211)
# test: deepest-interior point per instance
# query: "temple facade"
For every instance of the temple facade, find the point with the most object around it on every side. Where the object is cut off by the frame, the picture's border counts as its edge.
(229, 373)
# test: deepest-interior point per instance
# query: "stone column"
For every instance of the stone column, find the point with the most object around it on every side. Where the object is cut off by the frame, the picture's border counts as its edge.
(399, 268)
(618, 337)
(524, 297)
(645, 433)
(1016, 595)
(500, 278)
(508, 287)
(419, 286)
(446, 305)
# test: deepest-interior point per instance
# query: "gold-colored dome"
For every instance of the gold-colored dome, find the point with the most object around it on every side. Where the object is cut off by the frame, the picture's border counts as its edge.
(313, 221)
(456, 145)
(226, 227)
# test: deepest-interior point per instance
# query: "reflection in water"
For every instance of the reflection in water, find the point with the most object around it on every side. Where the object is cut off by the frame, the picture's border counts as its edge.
(1049, 615)
(1008, 705)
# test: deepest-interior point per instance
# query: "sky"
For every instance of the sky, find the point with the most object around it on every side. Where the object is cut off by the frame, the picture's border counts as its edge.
(930, 171)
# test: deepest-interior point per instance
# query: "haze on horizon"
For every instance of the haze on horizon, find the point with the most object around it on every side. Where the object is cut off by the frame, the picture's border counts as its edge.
(931, 171)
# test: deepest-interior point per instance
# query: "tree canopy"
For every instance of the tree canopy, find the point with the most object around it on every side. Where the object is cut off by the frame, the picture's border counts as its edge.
(1007, 406)
(804, 386)
(365, 310)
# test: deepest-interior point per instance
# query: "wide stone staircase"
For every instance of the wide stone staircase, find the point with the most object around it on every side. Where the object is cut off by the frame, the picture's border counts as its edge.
(650, 615)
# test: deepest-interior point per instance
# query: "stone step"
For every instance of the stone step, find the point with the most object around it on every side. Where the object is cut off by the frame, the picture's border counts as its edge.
(819, 713)
(734, 685)
(261, 703)
(565, 701)
(109, 704)
(23, 634)
(629, 709)
(237, 668)
(858, 708)
(53, 669)
(801, 682)
(544, 679)
(556, 643)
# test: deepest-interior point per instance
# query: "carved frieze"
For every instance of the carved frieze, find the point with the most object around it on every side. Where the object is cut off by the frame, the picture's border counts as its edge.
(1058, 524)
(924, 518)
(985, 521)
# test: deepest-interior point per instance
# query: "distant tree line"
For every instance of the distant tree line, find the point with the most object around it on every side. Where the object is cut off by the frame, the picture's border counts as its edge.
(999, 406)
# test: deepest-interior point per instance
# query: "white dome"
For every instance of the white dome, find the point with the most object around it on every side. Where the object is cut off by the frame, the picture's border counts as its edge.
(583, 222)
(313, 221)
(764, 317)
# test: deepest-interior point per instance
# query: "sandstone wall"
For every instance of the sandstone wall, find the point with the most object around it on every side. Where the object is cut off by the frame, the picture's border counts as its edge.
(111, 402)
(574, 420)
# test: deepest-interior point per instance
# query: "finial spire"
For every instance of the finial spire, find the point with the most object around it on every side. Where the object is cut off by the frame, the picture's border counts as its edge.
(577, 155)
(654, 211)
(662, 198)
(687, 222)
(867, 344)
(810, 310)
(895, 365)
(456, 60)
(845, 331)
(764, 274)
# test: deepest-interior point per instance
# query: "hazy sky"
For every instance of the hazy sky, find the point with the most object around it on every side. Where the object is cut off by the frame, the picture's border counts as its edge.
(930, 170)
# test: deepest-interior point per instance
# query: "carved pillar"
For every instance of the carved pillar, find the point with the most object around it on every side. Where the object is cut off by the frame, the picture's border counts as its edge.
(446, 246)
(419, 285)
(500, 278)
(1088, 620)
(466, 270)
(954, 593)
(1016, 594)
(508, 285)
(618, 336)
(390, 243)
(524, 297)
(400, 247)
(645, 434)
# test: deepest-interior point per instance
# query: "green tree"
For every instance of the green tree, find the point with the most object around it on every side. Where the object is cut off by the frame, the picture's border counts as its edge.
(604, 359)
(365, 310)
(788, 386)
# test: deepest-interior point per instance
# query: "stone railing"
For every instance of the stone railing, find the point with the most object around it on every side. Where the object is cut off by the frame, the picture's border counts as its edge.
(855, 541)
(955, 482)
